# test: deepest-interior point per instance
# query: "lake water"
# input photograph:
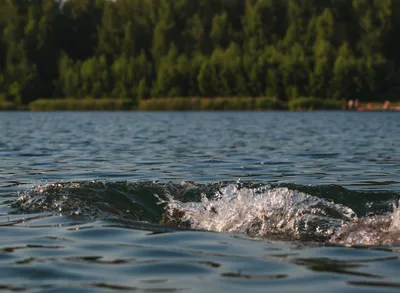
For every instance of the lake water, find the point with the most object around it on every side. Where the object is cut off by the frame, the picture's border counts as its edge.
(200, 202)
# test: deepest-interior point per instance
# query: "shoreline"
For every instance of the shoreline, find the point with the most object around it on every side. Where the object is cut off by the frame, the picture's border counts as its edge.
(192, 104)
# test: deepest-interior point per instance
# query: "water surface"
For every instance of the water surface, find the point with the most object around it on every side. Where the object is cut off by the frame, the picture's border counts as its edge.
(199, 202)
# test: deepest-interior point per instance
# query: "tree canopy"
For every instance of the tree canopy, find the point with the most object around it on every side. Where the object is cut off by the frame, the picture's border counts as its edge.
(138, 49)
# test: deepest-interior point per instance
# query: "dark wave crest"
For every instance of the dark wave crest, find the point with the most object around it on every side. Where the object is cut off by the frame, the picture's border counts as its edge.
(99, 200)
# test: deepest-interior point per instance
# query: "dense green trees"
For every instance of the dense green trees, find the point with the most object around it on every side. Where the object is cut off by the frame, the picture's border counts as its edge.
(137, 49)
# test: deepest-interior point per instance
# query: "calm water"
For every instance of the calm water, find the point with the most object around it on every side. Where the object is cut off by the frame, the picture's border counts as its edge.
(199, 202)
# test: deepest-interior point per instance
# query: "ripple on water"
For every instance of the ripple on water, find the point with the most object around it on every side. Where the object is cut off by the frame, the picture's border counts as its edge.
(105, 237)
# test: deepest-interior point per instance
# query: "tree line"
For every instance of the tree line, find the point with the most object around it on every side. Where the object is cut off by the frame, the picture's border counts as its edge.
(140, 49)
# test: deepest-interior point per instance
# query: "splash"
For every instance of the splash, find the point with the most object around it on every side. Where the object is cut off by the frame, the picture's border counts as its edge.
(262, 212)
(373, 230)
(286, 214)
(395, 224)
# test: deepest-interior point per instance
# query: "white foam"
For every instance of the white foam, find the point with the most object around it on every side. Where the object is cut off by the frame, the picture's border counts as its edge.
(395, 225)
(263, 211)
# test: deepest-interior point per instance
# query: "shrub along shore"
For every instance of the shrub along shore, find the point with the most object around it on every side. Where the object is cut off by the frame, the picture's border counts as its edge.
(178, 104)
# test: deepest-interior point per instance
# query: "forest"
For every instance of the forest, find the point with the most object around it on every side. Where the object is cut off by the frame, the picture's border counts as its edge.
(143, 49)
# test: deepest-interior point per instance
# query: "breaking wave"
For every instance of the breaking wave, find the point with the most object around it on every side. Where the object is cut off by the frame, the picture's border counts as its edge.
(330, 214)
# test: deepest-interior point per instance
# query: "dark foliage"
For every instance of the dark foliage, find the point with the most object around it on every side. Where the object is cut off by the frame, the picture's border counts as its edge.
(137, 49)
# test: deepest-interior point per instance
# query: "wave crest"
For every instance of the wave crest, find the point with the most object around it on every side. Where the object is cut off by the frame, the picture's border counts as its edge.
(255, 209)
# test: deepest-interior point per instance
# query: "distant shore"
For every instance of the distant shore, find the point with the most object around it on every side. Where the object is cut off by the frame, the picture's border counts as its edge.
(197, 104)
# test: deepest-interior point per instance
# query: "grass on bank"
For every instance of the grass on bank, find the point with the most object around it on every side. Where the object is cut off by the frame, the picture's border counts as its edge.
(217, 104)
(210, 104)
(311, 103)
(87, 104)
(7, 106)
(185, 104)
